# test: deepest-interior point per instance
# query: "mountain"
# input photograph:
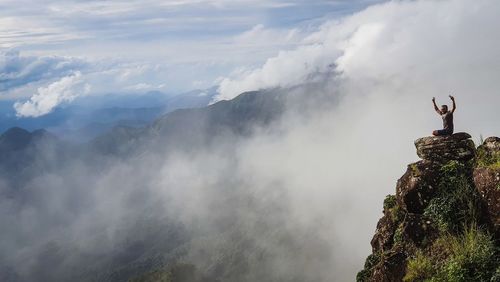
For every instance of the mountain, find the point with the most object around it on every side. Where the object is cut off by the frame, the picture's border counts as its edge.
(24, 155)
(443, 223)
(195, 127)
(91, 116)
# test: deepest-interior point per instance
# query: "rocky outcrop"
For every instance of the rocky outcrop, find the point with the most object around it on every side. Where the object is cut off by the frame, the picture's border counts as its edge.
(491, 145)
(487, 179)
(391, 268)
(417, 186)
(458, 147)
(383, 239)
(437, 196)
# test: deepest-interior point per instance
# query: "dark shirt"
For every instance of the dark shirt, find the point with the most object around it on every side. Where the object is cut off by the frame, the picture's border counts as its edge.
(448, 120)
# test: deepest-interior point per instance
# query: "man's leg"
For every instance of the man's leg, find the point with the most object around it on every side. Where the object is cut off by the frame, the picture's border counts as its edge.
(441, 132)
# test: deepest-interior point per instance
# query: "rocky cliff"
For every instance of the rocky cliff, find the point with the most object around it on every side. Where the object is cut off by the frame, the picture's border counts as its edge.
(443, 223)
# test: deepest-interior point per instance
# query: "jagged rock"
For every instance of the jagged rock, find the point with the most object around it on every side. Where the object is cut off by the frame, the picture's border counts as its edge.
(417, 229)
(458, 147)
(417, 186)
(487, 181)
(383, 238)
(391, 268)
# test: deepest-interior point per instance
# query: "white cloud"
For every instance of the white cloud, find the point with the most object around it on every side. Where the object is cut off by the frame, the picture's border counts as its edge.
(17, 70)
(404, 49)
(288, 68)
(62, 91)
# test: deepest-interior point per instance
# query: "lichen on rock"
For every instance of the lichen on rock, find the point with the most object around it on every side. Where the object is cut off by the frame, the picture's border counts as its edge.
(458, 147)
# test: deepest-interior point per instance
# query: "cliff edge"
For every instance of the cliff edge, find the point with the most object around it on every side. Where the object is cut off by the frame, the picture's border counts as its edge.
(443, 223)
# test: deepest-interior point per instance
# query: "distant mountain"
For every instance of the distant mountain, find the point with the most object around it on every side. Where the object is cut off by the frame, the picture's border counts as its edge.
(191, 128)
(24, 154)
(93, 115)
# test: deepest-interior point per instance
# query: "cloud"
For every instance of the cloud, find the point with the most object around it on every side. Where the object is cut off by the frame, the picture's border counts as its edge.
(62, 91)
(174, 34)
(18, 71)
(385, 42)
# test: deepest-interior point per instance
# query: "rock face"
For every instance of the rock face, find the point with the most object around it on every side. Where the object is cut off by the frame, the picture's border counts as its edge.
(487, 179)
(492, 144)
(488, 184)
(437, 196)
(445, 148)
(417, 186)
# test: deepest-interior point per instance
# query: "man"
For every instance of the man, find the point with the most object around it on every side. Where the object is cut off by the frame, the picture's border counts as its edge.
(447, 117)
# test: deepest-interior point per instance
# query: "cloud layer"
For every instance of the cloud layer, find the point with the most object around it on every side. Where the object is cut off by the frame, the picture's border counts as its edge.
(62, 91)
(179, 45)
(434, 47)
(17, 70)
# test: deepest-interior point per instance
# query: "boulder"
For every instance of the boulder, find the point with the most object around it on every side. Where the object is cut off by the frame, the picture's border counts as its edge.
(492, 144)
(418, 186)
(489, 152)
(458, 147)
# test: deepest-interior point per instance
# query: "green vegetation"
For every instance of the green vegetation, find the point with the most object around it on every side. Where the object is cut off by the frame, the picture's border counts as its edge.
(419, 268)
(470, 256)
(414, 170)
(457, 203)
(389, 202)
(398, 234)
(488, 159)
(365, 274)
(392, 208)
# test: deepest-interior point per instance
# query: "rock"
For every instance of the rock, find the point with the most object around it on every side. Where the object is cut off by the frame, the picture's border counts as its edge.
(487, 182)
(417, 229)
(458, 147)
(391, 268)
(417, 186)
(383, 238)
(489, 151)
(492, 144)
(405, 230)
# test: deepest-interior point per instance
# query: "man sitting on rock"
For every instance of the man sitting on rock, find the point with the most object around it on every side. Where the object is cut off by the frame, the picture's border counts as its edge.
(447, 118)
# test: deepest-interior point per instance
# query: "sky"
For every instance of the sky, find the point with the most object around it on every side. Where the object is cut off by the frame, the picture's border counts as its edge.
(139, 46)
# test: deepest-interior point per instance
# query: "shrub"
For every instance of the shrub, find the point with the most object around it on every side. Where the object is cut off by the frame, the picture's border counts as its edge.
(457, 203)
(496, 275)
(488, 159)
(419, 268)
(473, 257)
(370, 262)
(389, 202)
(470, 256)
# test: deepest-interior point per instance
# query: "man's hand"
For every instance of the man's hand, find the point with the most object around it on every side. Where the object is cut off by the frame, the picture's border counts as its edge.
(454, 104)
(433, 99)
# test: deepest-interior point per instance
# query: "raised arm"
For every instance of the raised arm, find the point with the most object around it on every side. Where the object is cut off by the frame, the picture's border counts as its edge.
(454, 104)
(435, 106)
